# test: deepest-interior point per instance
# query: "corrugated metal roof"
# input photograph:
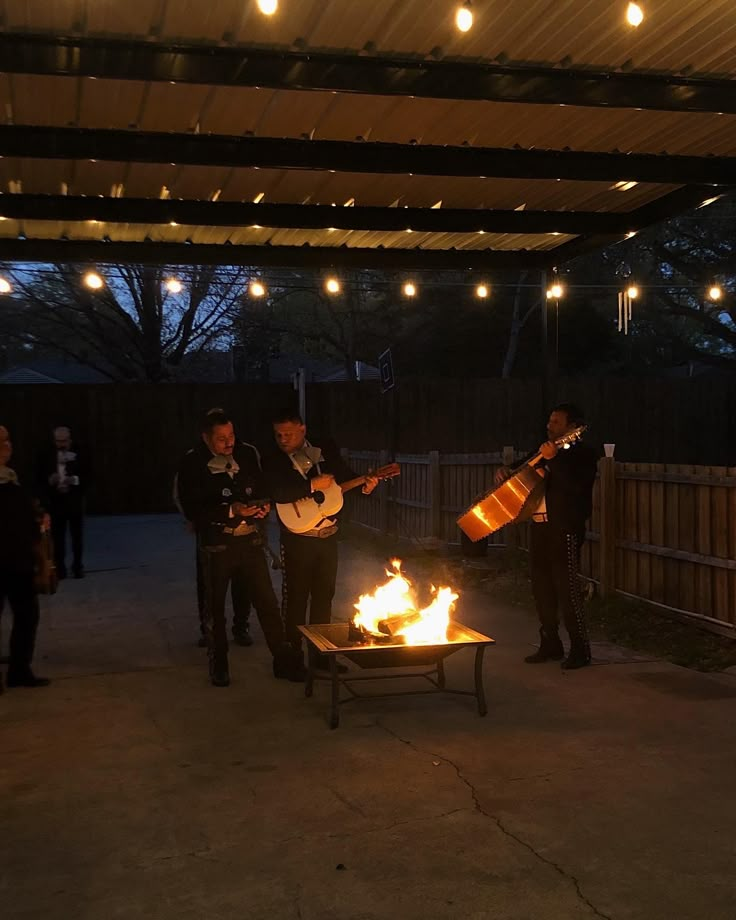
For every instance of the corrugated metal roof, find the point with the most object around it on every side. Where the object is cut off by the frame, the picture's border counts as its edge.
(677, 36)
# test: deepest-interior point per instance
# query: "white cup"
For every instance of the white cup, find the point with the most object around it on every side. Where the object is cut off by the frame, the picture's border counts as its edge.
(609, 449)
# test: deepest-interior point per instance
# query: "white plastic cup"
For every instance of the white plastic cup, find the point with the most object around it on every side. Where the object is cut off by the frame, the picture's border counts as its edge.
(609, 449)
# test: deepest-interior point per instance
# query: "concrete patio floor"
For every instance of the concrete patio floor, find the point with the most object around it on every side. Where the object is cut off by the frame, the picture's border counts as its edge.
(131, 788)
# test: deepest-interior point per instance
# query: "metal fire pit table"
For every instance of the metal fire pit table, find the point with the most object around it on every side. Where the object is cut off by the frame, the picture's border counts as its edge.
(333, 639)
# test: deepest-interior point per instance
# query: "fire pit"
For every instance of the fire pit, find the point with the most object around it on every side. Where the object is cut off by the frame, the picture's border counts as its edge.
(390, 631)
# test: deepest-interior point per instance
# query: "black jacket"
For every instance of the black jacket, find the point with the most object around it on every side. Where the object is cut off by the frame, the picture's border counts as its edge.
(19, 530)
(286, 484)
(569, 487)
(205, 496)
(46, 467)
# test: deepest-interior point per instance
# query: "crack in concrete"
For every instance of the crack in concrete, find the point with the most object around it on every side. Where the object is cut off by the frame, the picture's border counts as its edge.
(497, 821)
(369, 830)
(347, 803)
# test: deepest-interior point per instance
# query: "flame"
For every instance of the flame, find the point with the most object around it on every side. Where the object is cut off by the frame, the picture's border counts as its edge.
(392, 609)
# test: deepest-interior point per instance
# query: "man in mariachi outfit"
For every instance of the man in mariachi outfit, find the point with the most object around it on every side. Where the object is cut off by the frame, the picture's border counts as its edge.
(298, 470)
(221, 491)
(556, 533)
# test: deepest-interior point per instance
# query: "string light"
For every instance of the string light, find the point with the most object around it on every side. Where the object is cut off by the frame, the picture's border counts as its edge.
(715, 292)
(93, 281)
(332, 286)
(555, 291)
(257, 289)
(481, 291)
(634, 15)
(464, 17)
(268, 7)
(409, 289)
(5, 287)
(633, 292)
(174, 286)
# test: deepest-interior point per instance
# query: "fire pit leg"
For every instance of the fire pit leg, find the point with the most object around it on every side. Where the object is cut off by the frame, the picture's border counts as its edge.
(309, 680)
(479, 694)
(441, 674)
(335, 701)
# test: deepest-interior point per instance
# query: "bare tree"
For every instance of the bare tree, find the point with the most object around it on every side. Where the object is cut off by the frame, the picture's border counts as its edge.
(135, 327)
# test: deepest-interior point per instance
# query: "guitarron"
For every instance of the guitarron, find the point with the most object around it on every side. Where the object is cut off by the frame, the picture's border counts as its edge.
(514, 499)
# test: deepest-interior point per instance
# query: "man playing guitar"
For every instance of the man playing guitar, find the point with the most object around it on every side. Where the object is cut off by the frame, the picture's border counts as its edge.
(296, 471)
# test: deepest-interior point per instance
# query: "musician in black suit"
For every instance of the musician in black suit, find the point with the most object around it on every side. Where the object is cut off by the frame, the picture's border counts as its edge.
(20, 535)
(221, 491)
(298, 470)
(63, 477)
(557, 533)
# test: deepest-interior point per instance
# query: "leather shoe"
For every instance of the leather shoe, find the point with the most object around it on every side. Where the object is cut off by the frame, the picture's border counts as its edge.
(541, 655)
(576, 659)
(220, 678)
(27, 680)
(242, 637)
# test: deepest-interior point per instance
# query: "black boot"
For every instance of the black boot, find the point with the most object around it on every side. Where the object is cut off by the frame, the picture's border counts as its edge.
(242, 636)
(289, 665)
(579, 656)
(219, 671)
(27, 679)
(550, 649)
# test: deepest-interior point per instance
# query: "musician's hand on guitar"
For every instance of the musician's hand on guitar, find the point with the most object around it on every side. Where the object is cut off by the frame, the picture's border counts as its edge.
(256, 511)
(370, 484)
(45, 522)
(502, 474)
(548, 450)
(322, 482)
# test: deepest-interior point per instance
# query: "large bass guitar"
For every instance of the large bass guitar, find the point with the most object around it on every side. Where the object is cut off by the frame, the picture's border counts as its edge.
(513, 500)
(304, 514)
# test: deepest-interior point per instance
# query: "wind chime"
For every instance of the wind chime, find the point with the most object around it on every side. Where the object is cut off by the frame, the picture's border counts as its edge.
(625, 299)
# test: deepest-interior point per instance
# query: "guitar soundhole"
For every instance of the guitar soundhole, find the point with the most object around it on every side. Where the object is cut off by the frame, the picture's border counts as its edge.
(319, 497)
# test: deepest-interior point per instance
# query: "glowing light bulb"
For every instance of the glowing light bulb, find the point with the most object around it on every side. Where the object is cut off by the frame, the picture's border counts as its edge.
(464, 18)
(633, 292)
(482, 290)
(268, 7)
(332, 285)
(93, 281)
(257, 289)
(555, 291)
(715, 292)
(174, 286)
(5, 287)
(634, 14)
(409, 289)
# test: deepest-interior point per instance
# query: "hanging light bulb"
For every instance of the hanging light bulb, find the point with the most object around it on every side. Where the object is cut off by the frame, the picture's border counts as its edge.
(556, 291)
(332, 286)
(174, 286)
(633, 292)
(715, 292)
(409, 289)
(268, 7)
(257, 289)
(5, 287)
(634, 14)
(464, 17)
(93, 281)
(482, 291)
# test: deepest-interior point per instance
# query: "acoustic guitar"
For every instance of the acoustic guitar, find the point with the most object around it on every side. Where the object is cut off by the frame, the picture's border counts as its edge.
(306, 513)
(45, 576)
(515, 499)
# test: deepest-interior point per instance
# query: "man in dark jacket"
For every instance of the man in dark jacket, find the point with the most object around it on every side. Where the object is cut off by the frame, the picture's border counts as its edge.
(221, 491)
(19, 537)
(295, 471)
(557, 533)
(63, 478)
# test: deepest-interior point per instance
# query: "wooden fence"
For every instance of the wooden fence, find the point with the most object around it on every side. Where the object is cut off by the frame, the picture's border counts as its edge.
(665, 533)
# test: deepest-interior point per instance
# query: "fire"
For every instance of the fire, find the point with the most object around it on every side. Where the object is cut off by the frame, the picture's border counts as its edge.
(392, 610)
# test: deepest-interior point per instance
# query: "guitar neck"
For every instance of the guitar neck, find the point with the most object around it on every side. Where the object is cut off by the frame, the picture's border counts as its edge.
(353, 483)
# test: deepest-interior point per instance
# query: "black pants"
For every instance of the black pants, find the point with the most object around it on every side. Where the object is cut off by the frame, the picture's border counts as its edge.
(309, 573)
(239, 594)
(240, 558)
(67, 515)
(555, 559)
(18, 588)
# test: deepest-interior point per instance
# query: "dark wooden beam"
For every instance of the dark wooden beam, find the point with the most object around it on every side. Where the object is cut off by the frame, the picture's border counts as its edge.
(50, 142)
(67, 208)
(135, 59)
(100, 253)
